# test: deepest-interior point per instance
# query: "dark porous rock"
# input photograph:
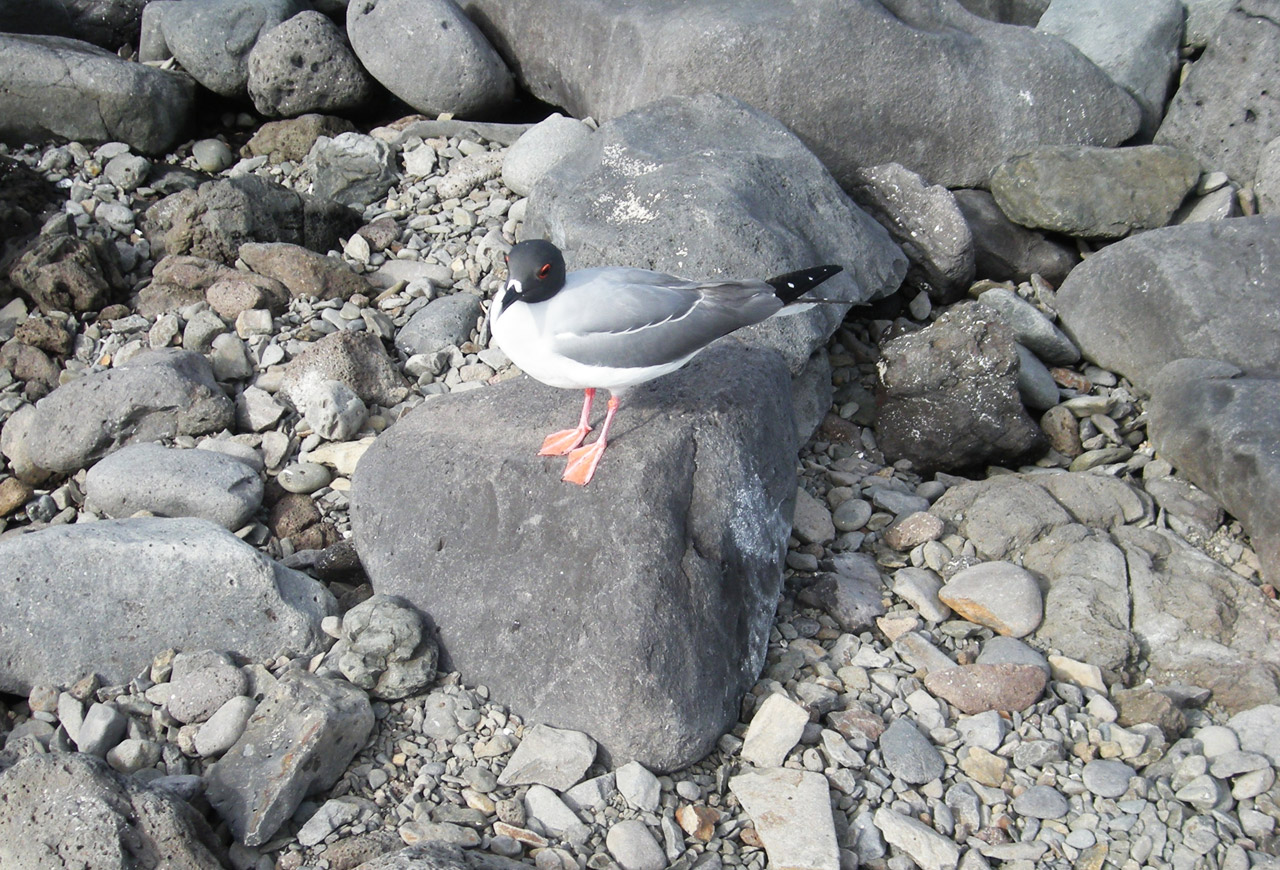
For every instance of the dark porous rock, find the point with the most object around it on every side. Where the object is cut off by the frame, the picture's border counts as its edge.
(672, 597)
(292, 139)
(111, 24)
(304, 272)
(44, 17)
(852, 594)
(1228, 108)
(216, 218)
(1095, 192)
(298, 742)
(357, 359)
(1146, 704)
(46, 333)
(70, 809)
(212, 39)
(1005, 251)
(181, 280)
(66, 273)
(1223, 434)
(1200, 623)
(977, 688)
(948, 395)
(859, 106)
(429, 54)
(926, 221)
(94, 96)
(147, 584)
(305, 65)
(32, 366)
(1207, 290)
(351, 168)
(170, 482)
(156, 394)
(706, 187)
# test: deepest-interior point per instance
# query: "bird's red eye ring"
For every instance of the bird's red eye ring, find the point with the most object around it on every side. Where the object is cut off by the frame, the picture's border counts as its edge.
(544, 271)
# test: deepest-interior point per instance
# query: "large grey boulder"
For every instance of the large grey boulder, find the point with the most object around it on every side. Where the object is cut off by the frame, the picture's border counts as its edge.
(429, 54)
(846, 77)
(155, 395)
(51, 86)
(69, 809)
(305, 65)
(948, 394)
(103, 597)
(1094, 192)
(212, 39)
(706, 187)
(1223, 433)
(170, 482)
(1133, 41)
(1207, 290)
(298, 742)
(216, 218)
(661, 575)
(1228, 108)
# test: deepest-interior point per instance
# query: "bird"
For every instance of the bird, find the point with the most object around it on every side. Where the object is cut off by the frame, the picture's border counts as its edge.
(614, 327)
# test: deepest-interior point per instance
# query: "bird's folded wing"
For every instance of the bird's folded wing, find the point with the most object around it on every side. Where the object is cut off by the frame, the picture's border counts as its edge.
(623, 323)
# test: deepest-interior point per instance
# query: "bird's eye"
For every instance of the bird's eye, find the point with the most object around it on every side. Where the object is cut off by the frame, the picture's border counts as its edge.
(544, 271)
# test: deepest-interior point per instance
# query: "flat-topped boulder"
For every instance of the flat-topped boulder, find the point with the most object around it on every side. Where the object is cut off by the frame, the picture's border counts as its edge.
(661, 575)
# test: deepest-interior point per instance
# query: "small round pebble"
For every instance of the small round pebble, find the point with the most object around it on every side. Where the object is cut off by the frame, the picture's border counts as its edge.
(1107, 778)
(304, 477)
(212, 155)
(1041, 802)
(851, 515)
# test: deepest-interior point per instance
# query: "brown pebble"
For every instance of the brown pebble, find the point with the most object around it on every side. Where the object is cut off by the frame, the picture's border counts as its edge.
(913, 530)
(1063, 430)
(857, 721)
(750, 837)
(980, 687)
(698, 821)
(1071, 380)
(13, 495)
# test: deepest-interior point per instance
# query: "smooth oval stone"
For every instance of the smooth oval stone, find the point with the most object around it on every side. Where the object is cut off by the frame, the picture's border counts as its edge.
(304, 477)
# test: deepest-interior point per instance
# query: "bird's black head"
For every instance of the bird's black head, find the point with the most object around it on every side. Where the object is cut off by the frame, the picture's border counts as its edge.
(535, 271)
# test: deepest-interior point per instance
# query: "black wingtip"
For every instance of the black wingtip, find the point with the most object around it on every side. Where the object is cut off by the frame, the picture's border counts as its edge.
(793, 285)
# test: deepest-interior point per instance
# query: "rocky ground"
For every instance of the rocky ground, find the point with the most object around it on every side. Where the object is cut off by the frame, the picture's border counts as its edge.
(940, 577)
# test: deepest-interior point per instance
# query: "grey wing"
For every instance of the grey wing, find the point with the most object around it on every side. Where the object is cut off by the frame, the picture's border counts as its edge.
(632, 318)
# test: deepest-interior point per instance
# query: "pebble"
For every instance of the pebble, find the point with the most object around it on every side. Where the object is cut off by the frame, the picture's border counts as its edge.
(774, 731)
(552, 757)
(634, 847)
(638, 786)
(792, 814)
(1000, 595)
(909, 755)
(1106, 778)
(851, 515)
(1042, 802)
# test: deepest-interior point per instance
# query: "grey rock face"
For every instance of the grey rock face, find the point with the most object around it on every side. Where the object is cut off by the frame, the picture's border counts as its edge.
(351, 168)
(1205, 290)
(299, 740)
(159, 580)
(571, 569)
(1228, 108)
(1004, 251)
(157, 394)
(925, 220)
(305, 65)
(216, 218)
(117, 822)
(1222, 432)
(175, 483)
(1095, 192)
(949, 394)
(706, 186)
(58, 87)
(444, 322)
(212, 38)
(429, 54)
(1133, 41)
(856, 107)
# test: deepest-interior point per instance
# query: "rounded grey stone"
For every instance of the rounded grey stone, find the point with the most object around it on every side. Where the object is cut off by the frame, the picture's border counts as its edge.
(444, 322)
(909, 755)
(634, 847)
(1041, 802)
(304, 477)
(1107, 778)
(851, 515)
(305, 65)
(201, 683)
(541, 147)
(221, 730)
(170, 482)
(212, 155)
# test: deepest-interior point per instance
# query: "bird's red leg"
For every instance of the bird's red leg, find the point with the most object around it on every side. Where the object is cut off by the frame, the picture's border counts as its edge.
(583, 461)
(560, 443)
